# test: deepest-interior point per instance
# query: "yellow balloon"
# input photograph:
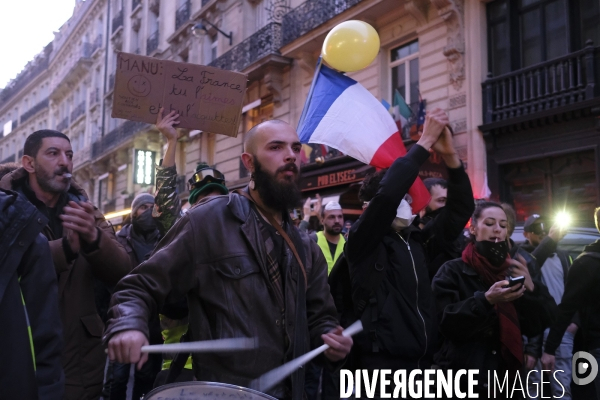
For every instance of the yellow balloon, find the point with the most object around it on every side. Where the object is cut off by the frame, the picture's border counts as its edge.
(350, 46)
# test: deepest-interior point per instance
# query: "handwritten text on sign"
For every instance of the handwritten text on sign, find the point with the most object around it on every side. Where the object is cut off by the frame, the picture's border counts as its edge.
(206, 98)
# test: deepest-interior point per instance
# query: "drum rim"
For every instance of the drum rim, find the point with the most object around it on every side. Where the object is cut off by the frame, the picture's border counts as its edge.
(198, 383)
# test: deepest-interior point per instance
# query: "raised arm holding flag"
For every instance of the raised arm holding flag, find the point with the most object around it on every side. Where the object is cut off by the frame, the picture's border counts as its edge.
(341, 113)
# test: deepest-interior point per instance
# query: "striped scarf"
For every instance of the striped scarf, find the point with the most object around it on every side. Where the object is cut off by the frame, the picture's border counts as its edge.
(273, 269)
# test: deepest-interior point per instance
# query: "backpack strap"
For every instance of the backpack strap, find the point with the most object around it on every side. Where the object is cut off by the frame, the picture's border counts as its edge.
(178, 362)
(363, 293)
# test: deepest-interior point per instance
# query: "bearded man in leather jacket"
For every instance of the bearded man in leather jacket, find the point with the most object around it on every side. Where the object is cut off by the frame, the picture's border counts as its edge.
(241, 278)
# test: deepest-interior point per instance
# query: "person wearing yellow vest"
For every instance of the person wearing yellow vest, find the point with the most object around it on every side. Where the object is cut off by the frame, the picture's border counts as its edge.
(330, 240)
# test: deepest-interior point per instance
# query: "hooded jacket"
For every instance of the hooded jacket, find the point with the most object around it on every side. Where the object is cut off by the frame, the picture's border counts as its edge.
(83, 357)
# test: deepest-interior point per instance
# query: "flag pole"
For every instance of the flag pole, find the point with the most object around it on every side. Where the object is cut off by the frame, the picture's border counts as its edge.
(310, 92)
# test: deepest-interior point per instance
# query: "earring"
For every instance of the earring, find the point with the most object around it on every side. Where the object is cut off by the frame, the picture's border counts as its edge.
(251, 184)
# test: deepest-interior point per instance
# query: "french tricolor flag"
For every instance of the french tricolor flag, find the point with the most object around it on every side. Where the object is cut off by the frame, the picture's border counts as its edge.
(343, 114)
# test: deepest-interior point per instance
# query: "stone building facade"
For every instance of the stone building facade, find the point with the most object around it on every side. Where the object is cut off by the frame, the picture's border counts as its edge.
(436, 49)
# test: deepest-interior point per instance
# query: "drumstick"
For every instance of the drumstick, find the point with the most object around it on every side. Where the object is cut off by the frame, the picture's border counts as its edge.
(204, 346)
(274, 376)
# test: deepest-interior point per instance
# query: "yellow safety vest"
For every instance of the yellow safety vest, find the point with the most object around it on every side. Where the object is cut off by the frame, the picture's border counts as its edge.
(322, 242)
(173, 335)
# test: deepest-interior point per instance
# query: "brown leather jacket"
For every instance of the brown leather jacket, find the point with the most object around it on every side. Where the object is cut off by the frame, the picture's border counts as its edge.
(216, 256)
(83, 356)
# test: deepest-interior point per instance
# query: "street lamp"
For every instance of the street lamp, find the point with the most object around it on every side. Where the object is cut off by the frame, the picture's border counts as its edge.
(199, 29)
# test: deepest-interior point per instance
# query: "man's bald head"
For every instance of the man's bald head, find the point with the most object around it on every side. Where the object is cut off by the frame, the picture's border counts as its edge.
(272, 156)
(250, 136)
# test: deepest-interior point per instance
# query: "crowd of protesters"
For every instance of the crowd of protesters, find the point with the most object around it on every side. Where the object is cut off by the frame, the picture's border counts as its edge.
(433, 289)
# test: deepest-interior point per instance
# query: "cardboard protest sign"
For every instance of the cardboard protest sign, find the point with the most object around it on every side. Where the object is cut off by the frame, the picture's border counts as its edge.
(206, 98)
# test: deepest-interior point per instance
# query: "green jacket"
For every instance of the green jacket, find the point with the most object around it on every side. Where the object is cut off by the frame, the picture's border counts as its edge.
(167, 209)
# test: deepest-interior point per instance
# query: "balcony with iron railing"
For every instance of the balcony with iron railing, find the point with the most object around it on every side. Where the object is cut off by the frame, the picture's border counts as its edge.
(117, 136)
(76, 67)
(34, 110)
(63, 124)
(97, 43)
(94, 97)
(62, 37)
(152, 43)
(82, 156)
(78, 112)
(182, 15)
(310, 15)
(562, 84)
(117, 21)
(265, 41)
(25, 77)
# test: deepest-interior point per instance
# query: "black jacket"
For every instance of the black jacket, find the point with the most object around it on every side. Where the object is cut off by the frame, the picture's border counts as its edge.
(400, 320)
(536, 256)
(581, 294)
(27, 277)
(469, 323)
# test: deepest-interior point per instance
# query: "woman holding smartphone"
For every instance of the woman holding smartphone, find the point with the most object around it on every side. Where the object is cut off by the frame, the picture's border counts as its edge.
(485, 302)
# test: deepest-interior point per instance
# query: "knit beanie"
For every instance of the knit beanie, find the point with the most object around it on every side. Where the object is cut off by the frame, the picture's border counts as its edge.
(140, 200)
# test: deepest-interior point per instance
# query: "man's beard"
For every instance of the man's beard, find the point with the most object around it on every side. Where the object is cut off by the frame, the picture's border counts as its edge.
(277, 194)
(334, 230)
(47, 182)
(430, 214)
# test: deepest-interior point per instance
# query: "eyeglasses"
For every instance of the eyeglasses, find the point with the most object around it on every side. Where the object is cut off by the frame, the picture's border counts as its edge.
(205, 176)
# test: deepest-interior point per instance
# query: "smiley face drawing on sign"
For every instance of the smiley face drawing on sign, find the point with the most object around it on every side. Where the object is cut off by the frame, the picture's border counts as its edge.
(139, 86)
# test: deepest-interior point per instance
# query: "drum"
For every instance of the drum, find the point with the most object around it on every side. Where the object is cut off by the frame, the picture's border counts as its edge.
(204, 391)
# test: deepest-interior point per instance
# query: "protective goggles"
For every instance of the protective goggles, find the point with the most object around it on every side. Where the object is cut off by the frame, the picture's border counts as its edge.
(205, 176)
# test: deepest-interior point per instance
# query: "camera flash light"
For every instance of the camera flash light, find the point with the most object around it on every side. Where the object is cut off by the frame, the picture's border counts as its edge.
(563, 219)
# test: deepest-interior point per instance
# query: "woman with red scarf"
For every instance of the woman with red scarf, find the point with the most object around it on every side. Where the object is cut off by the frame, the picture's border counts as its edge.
(482, 319)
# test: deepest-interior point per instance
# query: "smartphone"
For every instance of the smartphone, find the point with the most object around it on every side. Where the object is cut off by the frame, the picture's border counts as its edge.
(515, 281)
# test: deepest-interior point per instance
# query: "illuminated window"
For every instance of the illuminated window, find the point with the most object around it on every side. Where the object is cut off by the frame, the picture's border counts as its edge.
(144, 167)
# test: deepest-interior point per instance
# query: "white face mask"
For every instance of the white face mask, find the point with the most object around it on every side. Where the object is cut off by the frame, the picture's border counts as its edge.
(404, 216)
